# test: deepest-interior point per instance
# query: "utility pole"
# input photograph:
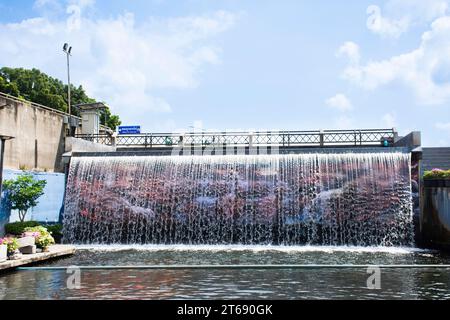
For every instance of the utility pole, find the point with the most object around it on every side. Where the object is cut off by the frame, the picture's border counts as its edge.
(68, 51)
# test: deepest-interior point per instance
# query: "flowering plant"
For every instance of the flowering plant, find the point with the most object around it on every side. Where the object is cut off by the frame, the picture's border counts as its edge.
(437, 174)
(34, 234)
(42, 237)
(45, 241)
(11, 243)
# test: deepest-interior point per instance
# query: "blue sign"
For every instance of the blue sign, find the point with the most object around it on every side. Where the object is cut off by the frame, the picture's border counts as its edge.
(129, 129)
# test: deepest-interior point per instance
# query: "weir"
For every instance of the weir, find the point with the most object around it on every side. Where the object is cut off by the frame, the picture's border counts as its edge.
(358, 199)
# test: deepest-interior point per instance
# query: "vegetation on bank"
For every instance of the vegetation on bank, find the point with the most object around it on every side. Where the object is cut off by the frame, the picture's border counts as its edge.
(18, 229)
(36, 86)
(437, 174)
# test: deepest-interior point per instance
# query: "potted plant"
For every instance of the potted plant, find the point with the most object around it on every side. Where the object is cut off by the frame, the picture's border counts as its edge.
(12, 247)
(43, 238)
(3, 250)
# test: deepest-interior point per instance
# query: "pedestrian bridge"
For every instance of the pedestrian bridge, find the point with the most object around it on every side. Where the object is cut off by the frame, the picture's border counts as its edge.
(279, 139)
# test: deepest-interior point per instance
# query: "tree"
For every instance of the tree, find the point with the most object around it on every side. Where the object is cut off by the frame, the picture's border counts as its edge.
(35, 86)
(24, 192)
(110, 120)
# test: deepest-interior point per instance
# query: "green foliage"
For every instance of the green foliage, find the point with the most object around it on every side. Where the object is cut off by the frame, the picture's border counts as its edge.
(37, 87)
(437, 174)
(111, 121)
(17, 228)
(44, 239)
(24, 193)
(55, 229)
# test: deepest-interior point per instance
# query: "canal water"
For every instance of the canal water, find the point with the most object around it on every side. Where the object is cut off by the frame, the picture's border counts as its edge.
(304, 273)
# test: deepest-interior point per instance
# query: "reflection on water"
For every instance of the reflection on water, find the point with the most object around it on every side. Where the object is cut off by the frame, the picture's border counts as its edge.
(411, 283)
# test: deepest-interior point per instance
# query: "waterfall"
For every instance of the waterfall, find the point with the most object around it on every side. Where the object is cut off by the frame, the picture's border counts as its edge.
(358, 199)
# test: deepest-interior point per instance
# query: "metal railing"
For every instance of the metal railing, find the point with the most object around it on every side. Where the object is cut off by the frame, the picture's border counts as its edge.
(105, 139)
(325, 138)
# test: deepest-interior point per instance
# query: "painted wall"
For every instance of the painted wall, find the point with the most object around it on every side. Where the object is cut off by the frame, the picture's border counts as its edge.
(50, 203)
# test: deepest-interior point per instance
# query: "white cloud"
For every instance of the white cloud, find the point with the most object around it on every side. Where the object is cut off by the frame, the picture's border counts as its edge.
(351, 51)
(389, 120)
(117, 59)
(399, 16)
(385, 26)
(339, 102)
(425, 70)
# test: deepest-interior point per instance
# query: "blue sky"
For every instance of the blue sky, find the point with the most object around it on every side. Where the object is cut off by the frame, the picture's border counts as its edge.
(247, 64)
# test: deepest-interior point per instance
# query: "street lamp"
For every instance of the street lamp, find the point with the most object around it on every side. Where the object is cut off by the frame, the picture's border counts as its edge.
(68, 51)
(3, 139)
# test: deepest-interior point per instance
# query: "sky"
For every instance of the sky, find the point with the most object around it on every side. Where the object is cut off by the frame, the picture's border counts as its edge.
(175, 65)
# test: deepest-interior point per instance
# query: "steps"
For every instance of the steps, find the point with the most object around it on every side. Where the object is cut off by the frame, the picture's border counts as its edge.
(436, 158)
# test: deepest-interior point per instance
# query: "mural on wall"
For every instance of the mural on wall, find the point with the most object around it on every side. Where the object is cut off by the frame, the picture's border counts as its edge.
(49, 206)
(330, 199)
(5, 209)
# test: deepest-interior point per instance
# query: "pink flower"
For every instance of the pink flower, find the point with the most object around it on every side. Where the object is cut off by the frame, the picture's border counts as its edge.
(31, 234)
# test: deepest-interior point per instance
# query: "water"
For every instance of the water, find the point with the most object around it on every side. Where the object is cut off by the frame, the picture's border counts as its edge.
(315, 199)
(289, 283)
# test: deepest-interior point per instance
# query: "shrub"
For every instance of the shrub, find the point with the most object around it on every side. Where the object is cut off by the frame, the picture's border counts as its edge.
(55, 229)
(17, 228)
(437, 174)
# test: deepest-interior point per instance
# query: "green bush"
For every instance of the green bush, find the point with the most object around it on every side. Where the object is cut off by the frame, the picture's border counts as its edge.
(437, 174)
(55, 229)
(17, 228)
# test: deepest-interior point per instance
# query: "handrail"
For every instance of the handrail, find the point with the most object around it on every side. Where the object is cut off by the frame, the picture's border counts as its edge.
(359, 137)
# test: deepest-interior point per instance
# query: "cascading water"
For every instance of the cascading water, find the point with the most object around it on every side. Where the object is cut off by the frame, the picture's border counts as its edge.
(359, 199)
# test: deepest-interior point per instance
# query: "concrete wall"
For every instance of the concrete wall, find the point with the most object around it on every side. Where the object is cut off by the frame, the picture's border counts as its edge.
(49, 206)
(435, 219)
(80, 145)
(39, 136)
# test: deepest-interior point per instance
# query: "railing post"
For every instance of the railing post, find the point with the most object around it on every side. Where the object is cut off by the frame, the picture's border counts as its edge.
(321, 135)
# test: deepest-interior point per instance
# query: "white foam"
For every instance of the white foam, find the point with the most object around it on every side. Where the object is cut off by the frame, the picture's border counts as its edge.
(251, 248)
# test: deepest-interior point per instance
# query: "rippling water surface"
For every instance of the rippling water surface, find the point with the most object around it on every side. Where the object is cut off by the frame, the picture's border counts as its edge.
(242, 283)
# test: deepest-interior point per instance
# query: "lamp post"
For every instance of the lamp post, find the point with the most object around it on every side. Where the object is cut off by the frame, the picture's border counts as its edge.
(3, 139)
(68, 51)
